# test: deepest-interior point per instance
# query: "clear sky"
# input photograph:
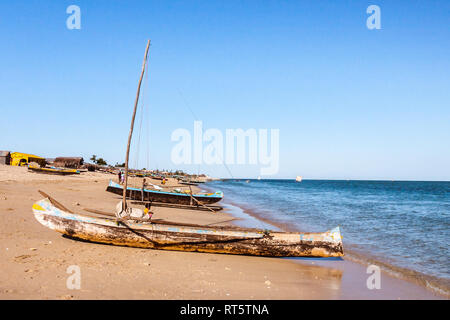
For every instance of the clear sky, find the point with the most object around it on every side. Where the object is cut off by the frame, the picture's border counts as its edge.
(350, 103)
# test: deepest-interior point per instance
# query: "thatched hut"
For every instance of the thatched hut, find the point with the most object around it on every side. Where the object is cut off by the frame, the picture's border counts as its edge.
(68, 162)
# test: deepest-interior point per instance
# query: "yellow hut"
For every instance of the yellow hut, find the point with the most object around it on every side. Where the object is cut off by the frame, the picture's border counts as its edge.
(23, 159)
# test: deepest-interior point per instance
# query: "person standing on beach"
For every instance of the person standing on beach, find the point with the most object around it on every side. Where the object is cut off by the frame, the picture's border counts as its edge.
(143, 187)
(148, 212)
(120, 176)
(123, 178)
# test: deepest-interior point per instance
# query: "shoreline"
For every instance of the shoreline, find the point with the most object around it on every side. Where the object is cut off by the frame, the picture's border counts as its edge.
(35, 259)
(435, 285)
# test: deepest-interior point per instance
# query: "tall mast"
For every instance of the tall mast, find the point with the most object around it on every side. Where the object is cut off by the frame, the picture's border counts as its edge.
(124, 201)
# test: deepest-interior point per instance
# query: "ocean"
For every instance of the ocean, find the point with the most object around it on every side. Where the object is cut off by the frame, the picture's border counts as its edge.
(402, 225)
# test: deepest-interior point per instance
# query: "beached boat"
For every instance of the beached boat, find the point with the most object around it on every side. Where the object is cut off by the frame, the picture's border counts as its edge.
(187, 237)
(187, 183)
(165, 196)
(53, 170)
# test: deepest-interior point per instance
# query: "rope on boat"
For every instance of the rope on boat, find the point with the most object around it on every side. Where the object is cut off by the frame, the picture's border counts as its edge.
(198, 202)
(157, 244)
(142, 110)
(196, 119)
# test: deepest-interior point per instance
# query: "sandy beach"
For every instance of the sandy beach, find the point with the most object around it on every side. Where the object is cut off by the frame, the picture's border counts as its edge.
(35, 259)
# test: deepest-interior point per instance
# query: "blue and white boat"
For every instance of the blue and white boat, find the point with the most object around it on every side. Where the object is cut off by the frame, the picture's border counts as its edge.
(165, 196)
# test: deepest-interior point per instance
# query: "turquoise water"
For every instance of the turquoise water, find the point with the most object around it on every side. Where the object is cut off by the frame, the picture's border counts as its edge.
(405, 224)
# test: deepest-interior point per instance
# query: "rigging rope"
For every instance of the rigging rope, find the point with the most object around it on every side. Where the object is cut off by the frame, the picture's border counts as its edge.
(196, 119)
(142, 111)
(259, 222)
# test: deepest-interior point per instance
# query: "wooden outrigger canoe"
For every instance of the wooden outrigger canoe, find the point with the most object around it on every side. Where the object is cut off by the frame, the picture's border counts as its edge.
(230, 240)
(165, 196)
(59, 171)
(186, 183)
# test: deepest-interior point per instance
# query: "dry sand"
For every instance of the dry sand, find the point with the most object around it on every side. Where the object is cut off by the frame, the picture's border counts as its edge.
(34, 259)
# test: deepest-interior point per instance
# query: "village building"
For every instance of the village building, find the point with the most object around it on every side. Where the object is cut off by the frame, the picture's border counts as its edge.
(5, 157)
(68, 162)
(23, 159)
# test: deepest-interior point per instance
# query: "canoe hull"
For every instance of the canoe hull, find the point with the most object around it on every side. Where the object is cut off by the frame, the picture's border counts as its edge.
(62, 172)
(185, 238)
(161, 196)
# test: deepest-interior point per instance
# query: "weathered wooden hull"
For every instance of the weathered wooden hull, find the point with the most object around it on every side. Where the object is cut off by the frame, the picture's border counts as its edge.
(54, 171)
(189, 183)
(162, 196)
(230, 240)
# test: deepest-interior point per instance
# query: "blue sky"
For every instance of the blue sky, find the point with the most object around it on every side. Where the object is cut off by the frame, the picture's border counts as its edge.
(350, 103)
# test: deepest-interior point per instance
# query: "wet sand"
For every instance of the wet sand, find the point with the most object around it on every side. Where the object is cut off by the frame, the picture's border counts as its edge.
(35, 259)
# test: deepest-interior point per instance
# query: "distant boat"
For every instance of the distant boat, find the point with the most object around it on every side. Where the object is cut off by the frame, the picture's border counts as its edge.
(298, 179)
(52, 170)
(187, 183)
(196, 181)
(259, 177)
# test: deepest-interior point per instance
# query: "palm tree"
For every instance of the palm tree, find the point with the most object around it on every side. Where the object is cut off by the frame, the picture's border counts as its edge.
(101, 162)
